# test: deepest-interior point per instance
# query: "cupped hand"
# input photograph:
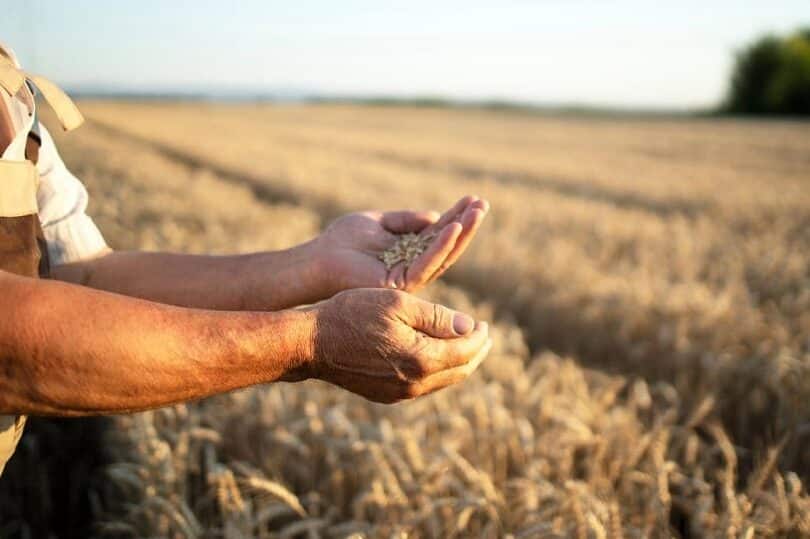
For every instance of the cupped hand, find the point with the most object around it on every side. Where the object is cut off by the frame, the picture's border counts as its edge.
(350, 247)
(387, 345)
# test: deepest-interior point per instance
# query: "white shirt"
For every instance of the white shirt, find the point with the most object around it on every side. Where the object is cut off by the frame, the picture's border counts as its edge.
(62, 199)
(70, 233)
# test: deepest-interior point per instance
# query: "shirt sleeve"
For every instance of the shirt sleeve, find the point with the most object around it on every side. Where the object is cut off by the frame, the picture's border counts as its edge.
(70, 233)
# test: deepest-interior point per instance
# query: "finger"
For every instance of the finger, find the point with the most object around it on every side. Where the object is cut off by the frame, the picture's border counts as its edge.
(434, 320)
(396, 387)
(482, 204)
(430, 355)
(402, 222)
(382, 389)
(451, 376)
(449, 353)
(396, 276)
(470, 222)
(429, 262)
(452, 214)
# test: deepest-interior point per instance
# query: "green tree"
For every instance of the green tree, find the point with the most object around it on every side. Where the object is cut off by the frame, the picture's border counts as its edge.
(772, 76)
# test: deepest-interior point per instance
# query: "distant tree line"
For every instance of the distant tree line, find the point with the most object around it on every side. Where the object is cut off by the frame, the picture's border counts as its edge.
(772, 76)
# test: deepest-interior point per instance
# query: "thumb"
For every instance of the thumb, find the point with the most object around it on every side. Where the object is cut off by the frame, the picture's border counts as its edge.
(436, 320)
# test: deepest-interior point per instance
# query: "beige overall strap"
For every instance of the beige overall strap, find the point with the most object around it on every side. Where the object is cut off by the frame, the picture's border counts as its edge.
(18, 190)
(12, 78)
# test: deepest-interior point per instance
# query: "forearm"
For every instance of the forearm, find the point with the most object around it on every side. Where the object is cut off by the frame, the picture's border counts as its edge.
(68, 350)
(260, 281)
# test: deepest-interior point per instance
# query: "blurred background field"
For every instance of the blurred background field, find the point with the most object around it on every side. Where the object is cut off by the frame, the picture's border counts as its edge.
(645, 264)
(649, 284)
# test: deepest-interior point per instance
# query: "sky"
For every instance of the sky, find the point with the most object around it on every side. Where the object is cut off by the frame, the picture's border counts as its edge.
(615, 53)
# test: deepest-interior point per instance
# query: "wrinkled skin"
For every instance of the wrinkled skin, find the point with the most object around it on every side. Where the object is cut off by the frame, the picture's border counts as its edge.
(388, 346)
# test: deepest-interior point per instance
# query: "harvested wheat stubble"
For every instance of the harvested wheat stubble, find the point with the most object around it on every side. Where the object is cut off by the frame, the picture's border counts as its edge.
(407, 248)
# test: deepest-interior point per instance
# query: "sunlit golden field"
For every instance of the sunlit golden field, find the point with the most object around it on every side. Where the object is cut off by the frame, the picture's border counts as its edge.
(649, 284)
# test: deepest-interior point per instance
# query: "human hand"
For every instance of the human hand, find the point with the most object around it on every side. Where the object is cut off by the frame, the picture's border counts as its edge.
(387, 345)
(351, 246)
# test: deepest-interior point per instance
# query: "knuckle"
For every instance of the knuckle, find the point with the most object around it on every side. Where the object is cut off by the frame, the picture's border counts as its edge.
(346, 299)
(388, 331)
(438, 317)
(393, 299)
(415, 367)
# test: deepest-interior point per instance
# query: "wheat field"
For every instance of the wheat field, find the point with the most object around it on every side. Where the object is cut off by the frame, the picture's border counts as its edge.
(648, 281)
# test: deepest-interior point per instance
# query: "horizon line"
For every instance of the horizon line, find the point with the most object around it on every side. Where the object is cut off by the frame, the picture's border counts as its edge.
(290, 96)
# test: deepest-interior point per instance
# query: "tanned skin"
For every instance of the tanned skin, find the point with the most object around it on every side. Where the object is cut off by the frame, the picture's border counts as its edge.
(69, 350)
(132, 331)
(344, 256)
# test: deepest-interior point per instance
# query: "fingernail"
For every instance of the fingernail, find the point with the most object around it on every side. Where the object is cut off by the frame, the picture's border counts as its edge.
(462, 324)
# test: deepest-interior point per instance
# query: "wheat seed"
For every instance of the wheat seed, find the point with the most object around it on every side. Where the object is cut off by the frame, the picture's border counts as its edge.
(406, 249)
